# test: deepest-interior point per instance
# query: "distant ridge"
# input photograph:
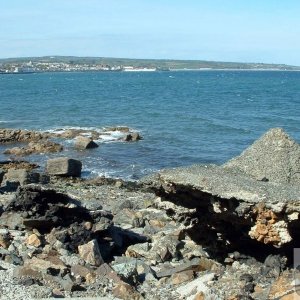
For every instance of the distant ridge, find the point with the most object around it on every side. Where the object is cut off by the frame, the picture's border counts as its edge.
(154, 63)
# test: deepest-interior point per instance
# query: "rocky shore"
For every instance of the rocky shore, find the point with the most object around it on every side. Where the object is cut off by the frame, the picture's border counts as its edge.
(199, 232)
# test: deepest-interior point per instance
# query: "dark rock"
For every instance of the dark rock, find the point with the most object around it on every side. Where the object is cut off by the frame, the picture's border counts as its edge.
(82, 143)
(64, 166)
(246, 277)
(2, 172)
(45, 209)
(249, 287)
(132, 137)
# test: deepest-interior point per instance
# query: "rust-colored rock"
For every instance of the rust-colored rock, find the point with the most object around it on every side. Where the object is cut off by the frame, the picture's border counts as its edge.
(90, 253)
(126, 292)
(34, 240)
(181, 277)
(269, 228)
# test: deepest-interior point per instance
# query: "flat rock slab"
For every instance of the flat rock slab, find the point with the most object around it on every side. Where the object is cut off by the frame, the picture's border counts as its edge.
(228, 184)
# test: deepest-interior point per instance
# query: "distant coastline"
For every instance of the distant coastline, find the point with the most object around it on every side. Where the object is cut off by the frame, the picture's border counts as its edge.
(28, 65)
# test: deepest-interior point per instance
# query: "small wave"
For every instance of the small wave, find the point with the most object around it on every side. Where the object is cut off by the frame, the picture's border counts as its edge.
(14, 121)
(104, 134)
(111, 136)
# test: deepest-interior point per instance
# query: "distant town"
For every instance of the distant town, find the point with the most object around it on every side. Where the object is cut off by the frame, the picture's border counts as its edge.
(97, 64)
(34, 67)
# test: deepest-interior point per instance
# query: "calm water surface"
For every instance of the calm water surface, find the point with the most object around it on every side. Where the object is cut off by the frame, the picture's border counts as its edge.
(184, 117)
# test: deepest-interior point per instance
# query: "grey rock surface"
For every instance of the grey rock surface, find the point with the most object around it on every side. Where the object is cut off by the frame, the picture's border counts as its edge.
(228, 184)
(274, 157)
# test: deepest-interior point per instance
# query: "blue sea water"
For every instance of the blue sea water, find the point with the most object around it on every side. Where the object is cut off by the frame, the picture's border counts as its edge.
(184, 117)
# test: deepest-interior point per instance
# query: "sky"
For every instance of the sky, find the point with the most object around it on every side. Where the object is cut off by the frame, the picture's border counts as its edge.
(220, 30)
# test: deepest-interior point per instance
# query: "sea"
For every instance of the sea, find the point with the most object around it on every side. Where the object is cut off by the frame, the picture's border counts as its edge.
(184, 117)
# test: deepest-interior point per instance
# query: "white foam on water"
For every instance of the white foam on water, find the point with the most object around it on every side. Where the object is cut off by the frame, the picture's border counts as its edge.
(111, 136)
(105, 136)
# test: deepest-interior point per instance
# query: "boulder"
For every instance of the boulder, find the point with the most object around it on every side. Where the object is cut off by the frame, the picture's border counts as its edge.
(90, 253)
(64, 166)
(132, 137)
(82, 143)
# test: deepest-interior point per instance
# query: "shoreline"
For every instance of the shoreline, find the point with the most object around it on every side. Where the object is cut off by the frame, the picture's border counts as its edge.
(156, 71)
(180, 232)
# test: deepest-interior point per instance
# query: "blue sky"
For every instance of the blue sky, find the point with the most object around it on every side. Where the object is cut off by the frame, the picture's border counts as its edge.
(228, 30)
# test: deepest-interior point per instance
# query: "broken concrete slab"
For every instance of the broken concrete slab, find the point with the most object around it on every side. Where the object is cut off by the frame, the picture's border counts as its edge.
(64, 166)
(236, 198)
(257, 193)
